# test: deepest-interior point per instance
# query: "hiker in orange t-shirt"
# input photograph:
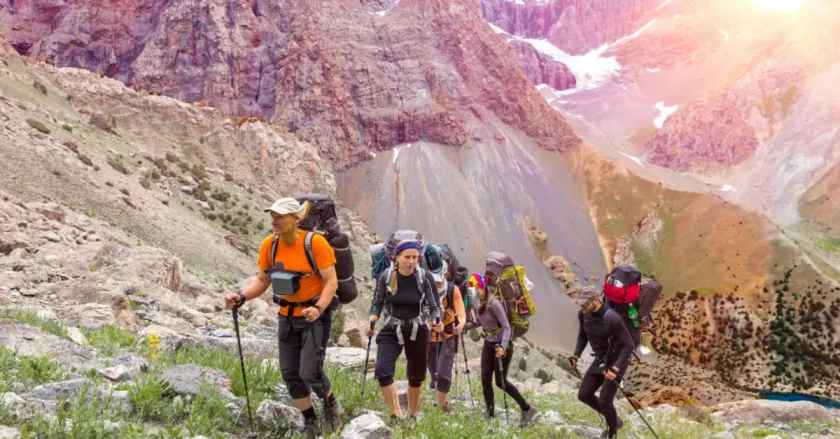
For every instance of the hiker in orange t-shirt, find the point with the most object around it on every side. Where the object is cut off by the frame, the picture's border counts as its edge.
(300, 268)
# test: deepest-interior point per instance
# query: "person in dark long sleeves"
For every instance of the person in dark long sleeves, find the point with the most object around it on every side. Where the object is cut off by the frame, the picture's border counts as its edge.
(612, 346)
(406, 299)
(497, 344)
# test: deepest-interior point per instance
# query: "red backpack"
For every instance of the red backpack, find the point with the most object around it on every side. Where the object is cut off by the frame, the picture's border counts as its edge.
(623, 284)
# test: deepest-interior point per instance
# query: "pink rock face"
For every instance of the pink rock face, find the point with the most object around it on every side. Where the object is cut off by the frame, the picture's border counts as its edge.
(575, 26)
(725, 129)
(541, 69)
(714, 132)
(350, 78)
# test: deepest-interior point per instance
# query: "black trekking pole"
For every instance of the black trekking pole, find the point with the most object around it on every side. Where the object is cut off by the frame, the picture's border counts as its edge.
(367, 357)
(253, 433)
(620, 387)
(467, 370)
(503, 383)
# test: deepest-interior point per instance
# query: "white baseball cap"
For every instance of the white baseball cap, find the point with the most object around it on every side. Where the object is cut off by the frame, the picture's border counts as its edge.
(285, 206)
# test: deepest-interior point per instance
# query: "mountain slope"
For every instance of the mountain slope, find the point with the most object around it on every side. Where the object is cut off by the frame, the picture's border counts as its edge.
(351, 80)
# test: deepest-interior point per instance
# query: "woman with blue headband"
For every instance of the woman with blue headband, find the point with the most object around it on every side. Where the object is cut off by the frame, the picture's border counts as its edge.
(406, 301)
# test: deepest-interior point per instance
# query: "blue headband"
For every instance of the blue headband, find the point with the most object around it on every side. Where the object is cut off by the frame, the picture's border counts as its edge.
(408, 244)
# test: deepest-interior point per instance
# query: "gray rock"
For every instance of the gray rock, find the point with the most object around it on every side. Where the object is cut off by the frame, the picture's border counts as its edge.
(116, 373)
(279, 418)
(586, 431)
(32, 342)
(134, 364)
(187, 379)
(346, 358)
(94, 315)
(121, 400)
(76, 336)
(282, 394)
(61, 390)
(9, 432)
(367, 426)
(14, 404)
(221, 333)
(760, 410)
(207, 304)
(723, 435)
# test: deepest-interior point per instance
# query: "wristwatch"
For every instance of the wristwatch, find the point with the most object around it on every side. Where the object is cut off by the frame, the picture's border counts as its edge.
(242, 299)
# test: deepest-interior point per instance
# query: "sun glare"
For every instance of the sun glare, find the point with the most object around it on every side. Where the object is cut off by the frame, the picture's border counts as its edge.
(779, 5)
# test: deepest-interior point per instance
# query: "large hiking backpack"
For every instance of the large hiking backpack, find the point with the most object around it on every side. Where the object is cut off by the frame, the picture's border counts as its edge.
(626, 293)
(321, 218)
(512, 287)
(382, 254)
(448, 256)
(623, 284)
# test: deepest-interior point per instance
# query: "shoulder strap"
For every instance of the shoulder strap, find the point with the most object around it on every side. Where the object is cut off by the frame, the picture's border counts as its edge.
(307, 248)
(450, 296)
(273, 260)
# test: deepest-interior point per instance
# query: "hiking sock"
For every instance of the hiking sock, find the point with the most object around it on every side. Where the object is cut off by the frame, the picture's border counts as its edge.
(309, 414)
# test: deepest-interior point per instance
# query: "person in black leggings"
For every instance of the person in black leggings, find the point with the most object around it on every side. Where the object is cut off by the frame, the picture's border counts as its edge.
(497, 332)
(407, 295)
(612, 345)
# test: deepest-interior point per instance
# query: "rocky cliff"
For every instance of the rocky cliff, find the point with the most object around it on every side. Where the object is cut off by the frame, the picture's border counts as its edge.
(349, 79)
(541, 69)
(575, 26)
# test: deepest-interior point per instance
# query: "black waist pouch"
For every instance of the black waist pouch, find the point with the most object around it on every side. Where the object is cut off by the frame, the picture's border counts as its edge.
(283, 283)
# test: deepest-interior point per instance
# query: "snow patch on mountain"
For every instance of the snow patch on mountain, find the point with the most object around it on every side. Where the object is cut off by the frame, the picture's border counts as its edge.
(664, 113)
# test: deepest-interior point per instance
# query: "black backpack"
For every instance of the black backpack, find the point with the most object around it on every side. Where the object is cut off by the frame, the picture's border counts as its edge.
(321, 218)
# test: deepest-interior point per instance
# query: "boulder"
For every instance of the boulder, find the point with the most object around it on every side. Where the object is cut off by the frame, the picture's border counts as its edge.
(9, 432)
(75, 335)
(279, 418)
(367, 426)
(60, 390)
(762, 410)
(32, 342)
(187, 379)
(346, 358)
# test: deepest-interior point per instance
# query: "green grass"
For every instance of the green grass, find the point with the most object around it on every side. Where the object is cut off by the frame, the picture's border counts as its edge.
(109, 339)
(263, 376)
(829, 245)
(27, 371)
(30, 318)
(207, 413)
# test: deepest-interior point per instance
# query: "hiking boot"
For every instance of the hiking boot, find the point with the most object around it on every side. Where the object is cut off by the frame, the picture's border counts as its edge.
(614, 434)
(311, 429)
(332, 415)
(527, 417)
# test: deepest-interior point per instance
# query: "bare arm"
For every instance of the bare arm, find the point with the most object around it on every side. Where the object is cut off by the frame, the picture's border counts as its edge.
(255, 288)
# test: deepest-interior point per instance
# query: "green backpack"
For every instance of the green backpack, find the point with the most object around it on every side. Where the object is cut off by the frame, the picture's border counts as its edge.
(512, 289)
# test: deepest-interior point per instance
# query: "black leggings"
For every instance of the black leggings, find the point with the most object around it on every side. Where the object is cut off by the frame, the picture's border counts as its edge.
(603, 403)
(388, 349)
(489, 365)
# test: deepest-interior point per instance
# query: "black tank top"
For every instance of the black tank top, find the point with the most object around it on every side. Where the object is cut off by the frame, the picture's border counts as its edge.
(405, 304)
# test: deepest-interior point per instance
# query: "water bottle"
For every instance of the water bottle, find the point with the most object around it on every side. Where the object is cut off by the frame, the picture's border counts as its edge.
(633, 314)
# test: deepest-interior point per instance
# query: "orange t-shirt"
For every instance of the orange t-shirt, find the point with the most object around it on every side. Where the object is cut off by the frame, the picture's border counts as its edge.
(293, 258)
